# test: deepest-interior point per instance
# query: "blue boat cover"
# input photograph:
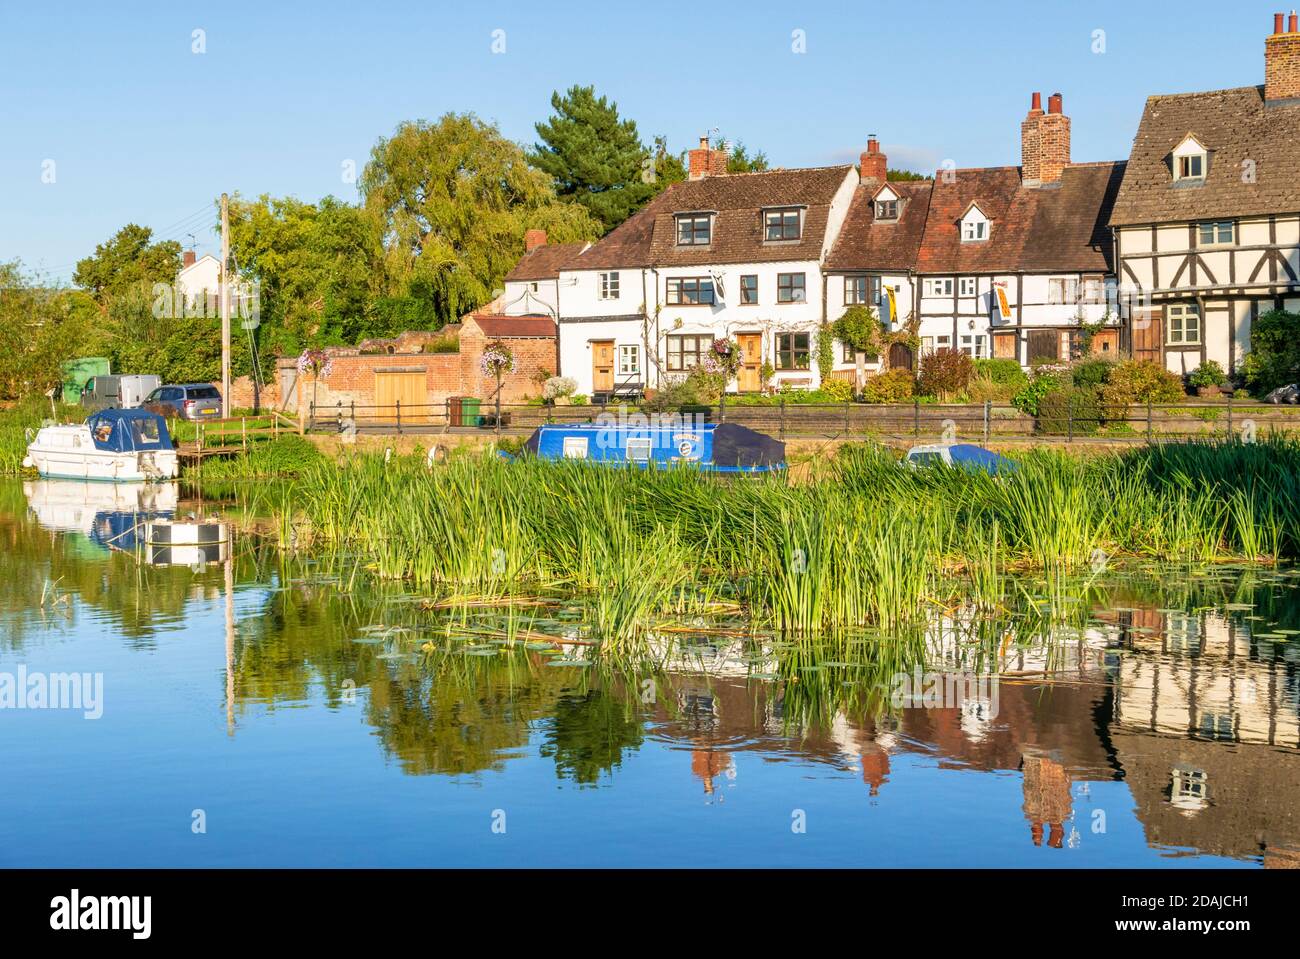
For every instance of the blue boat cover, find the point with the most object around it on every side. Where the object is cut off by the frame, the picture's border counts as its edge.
(716, 447)
(969, 456)
(128, 431)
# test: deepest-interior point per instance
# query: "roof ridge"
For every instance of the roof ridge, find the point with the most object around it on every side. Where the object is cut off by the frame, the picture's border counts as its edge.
(1204, 93)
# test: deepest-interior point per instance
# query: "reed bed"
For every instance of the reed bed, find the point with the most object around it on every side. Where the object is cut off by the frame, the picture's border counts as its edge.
(863, 543)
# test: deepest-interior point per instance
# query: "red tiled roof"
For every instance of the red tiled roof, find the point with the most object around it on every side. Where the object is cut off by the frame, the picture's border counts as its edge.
(864, 244)
(546, 261)
(515, 327)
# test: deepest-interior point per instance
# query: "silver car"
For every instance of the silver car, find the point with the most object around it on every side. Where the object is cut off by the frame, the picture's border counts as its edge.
(189, 401)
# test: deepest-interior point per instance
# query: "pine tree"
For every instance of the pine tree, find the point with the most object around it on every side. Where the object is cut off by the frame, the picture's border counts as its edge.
(594, 157)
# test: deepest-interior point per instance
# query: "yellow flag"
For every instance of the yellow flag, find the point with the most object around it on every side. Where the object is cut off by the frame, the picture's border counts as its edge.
(893, 307)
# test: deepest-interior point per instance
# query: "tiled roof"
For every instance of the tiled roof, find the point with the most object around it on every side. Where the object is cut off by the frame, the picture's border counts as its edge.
(1060, 226)
(650, 236)
(738, 200)
(1234, 125)
(864, 244)
(532, 325)
(546, 261)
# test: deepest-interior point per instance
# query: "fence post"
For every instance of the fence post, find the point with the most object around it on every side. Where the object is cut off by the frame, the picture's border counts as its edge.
(353, 407)
(1229, 416)
(781, 403)
(722, 407)
(243, 428)
(1069, 417)
(916, 417)
(338, 415)
(1148, 419)
(398, 404)
(847, 404)
(988, 404)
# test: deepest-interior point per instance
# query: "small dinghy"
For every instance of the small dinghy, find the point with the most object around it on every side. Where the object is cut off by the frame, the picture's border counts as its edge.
(713, 447)
(115, 445)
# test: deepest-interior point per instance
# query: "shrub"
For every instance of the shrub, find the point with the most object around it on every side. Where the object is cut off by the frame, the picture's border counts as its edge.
(1091, 373)
(1043, 382)
(892, 386)
(443, 344)
(944, 373)
(838, 391)
(1003, 372)
(1074, 409)
(558, 386)
(1209, 373)
(1137, 381)
(1274, 357)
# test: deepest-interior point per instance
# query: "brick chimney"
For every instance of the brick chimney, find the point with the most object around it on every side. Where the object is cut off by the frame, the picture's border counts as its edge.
(187, 259)
(533, 239)
(705, 161)
(1044, 142)
(1282, 60)
(871, 165)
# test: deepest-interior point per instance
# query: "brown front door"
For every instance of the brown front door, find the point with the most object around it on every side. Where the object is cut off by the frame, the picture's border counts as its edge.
(602, 366)
(900, 356)
(1044, 346)
(1004, 346)
(750, 377)
(1106, 343)
(1148, 334)
(406, 387)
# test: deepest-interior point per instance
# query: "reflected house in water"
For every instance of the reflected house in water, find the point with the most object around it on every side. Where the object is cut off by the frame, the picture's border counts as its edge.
(1206, 728)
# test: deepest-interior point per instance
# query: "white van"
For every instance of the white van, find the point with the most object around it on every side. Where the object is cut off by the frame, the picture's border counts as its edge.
(118, 392)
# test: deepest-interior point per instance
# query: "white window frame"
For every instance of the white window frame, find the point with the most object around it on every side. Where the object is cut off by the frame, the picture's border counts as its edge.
(975, 345)
(575, 447)
(638, 449)
(1215, 228)
(1182, 312)
(1189, 160)
(1062, 290)
(851, 284)
(938, 286)
(609, 285)
(974, 231)
(629, 359)
(967, 286)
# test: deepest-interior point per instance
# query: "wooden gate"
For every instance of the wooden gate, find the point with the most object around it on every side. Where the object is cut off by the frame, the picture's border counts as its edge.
(1148, 334)
(749, 379)
(900, 356)
(1044, 346)
(1005, 346)
(406, 386)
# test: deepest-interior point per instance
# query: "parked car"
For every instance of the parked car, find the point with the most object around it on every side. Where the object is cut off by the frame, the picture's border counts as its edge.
(189, 401)
(118, 392)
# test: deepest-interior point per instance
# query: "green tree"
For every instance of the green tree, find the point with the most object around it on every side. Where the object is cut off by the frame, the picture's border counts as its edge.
(740, 160)
(318, 267)
(40, 326)
(594, 157)
(904, 176)
(451, 201)
(127, 259)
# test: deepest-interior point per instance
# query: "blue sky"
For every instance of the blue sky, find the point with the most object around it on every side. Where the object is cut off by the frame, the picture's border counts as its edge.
(140, 128)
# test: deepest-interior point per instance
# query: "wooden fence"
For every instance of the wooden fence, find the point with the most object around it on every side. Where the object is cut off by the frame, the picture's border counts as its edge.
(921, 422)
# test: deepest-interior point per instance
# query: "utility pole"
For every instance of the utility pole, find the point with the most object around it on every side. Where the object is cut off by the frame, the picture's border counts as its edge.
(225, 304)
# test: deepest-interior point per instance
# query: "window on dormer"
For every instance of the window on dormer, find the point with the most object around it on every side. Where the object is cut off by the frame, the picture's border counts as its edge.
(973, 230)
(781, 225)
(694, 229)
(886, 209)
(1191, 167)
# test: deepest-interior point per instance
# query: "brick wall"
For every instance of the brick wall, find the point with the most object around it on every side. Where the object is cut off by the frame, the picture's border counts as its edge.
(533, 356)
(1282, 66)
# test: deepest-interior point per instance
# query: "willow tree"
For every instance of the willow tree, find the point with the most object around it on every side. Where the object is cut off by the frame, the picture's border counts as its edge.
(452, 200)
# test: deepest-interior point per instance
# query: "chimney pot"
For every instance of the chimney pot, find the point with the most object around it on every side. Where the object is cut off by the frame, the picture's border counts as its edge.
(1277, 22)
(1036, 103)
(1054, 103)
(188, 258)
(1291, 25)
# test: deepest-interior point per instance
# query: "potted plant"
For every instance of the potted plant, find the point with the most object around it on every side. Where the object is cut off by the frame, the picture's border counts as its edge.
(1208, 379)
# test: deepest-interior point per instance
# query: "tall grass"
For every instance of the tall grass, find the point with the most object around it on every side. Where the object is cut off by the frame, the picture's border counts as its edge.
(865, 542)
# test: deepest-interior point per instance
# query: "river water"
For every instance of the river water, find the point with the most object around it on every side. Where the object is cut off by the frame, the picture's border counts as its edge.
(261, 710)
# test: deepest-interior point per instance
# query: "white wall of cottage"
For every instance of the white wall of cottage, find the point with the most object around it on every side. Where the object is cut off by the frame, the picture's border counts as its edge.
(523, 297)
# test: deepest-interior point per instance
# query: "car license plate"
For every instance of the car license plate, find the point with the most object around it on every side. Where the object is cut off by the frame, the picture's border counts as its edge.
(208, 409)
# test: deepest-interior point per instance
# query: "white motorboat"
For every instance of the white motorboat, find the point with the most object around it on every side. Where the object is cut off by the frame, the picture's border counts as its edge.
(115, 445)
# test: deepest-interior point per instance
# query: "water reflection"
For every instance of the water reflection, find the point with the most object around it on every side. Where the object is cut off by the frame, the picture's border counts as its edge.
(1179, 686)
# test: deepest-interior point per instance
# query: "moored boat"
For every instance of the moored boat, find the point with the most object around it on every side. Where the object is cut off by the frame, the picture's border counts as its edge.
(712, 447)
(114, 445)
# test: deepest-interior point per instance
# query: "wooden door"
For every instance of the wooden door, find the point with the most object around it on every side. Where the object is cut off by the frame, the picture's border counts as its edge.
(900, 356)
(1106, 343)
(406, 387)
(1044, 346)
(749, 379)
(602, 366)
(1148, 334)
(1005, 346)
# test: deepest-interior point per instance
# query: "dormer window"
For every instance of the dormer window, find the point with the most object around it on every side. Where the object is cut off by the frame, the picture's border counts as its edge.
(974, 225)
(694, 229)
(1191, 160)
(782, 225)
(887, 205)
